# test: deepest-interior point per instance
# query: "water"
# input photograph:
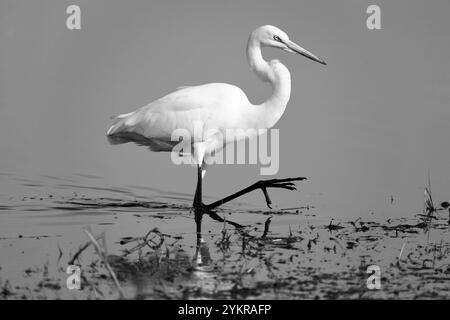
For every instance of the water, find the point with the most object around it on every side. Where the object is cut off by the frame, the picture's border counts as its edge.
(304, 256)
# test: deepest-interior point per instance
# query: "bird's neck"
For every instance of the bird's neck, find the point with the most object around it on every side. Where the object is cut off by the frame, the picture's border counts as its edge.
(278, 76)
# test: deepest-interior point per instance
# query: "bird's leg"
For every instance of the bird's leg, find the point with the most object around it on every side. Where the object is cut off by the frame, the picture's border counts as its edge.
(198, 204)
(200, 208)
(263, 185)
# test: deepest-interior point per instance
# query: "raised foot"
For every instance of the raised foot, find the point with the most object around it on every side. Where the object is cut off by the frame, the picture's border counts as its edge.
(287, 184)
(200, 208)
(279, 183)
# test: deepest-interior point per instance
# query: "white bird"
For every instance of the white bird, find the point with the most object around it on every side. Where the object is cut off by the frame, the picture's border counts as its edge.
(216, 107)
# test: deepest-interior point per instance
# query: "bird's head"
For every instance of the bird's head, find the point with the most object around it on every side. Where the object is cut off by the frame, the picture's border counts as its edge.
(271, 36)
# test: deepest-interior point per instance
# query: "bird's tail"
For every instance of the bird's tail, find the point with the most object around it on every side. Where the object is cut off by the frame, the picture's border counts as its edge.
(117, 127)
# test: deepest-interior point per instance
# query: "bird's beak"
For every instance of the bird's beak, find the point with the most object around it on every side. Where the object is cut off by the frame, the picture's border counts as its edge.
(295, 48)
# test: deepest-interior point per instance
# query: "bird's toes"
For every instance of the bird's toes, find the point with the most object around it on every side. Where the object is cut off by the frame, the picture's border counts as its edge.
(284, 185)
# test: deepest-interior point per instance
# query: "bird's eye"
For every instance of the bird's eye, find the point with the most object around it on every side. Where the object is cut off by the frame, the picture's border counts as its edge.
(277, 38)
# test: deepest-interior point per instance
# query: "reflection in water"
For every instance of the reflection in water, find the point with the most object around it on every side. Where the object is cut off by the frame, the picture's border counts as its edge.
(303, 256)
(202, 257)
(202, 268)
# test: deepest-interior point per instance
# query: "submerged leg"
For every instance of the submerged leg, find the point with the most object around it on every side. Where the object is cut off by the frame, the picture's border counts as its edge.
(198, 204)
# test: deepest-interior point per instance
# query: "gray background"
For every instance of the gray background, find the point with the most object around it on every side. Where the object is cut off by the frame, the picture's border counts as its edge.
(364, 127)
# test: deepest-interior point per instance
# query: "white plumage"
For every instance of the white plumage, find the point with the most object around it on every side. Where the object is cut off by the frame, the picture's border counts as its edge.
(215, 107)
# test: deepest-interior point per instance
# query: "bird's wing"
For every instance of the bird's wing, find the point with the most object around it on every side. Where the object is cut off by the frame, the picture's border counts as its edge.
(185, 109)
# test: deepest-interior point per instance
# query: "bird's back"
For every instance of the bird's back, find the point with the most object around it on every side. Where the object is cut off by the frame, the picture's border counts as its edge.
(211, 106)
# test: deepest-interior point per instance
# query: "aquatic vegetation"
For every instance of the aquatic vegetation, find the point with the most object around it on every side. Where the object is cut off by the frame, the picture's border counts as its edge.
(139, 248)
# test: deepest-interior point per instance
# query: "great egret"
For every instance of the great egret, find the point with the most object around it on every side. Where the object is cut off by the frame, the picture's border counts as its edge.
(217, 106)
